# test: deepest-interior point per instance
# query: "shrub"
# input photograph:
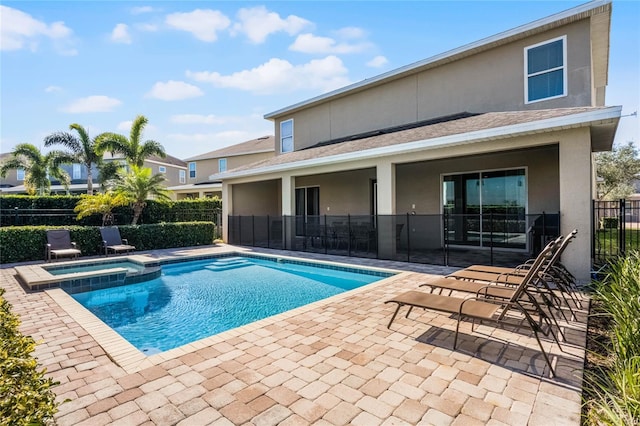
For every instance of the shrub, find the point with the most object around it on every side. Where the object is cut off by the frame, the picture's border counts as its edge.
(616, 385)
(24, 243)
(26, 397)
(609, 223)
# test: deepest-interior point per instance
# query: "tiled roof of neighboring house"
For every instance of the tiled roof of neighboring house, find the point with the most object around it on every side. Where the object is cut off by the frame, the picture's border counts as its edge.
(467, 125)
(577, 13)
(262, 144)
(169, 159)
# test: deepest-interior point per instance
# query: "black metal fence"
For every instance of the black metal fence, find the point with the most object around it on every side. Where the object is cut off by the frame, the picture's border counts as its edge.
(452, 240)
(616, 229)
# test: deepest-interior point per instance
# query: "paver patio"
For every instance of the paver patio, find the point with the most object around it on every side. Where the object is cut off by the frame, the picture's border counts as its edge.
(330, 363)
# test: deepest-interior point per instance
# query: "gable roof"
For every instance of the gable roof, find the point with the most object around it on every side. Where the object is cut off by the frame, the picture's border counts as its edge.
(469, 129)
(169, 160)
(254, 146)
(584, 11)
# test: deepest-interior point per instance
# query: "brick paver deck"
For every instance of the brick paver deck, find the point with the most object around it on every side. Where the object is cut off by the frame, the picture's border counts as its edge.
(331, 363)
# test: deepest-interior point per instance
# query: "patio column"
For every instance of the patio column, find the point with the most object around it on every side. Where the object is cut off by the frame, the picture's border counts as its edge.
(288, 210)
(227, 209)
(386, 207)
(575, 200)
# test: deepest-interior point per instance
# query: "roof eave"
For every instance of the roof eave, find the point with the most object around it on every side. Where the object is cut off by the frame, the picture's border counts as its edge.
(610, 115)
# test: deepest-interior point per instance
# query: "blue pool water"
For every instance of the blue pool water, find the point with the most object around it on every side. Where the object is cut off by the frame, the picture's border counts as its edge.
(197, 299)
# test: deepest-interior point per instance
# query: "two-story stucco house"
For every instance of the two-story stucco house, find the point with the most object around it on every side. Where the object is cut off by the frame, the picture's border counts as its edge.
(198, 182)
(173, 169)
(502, 127)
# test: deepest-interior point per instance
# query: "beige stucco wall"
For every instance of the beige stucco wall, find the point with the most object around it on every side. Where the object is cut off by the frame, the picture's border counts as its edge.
(420, 184)
(342, 193)
(490, 81)
(208, 167)
(258, 198)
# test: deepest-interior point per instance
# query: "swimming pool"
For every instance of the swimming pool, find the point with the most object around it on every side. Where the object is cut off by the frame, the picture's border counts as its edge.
(197, 299)
(131, 267)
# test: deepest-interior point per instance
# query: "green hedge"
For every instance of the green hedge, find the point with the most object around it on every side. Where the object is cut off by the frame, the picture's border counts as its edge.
(175, 211)
(26, 397)
(25, 243)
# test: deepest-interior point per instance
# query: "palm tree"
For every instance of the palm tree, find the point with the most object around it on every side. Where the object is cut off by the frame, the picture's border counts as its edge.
(82, 148)
(138, 185)
(132, 148)
(100, 204)
(37, 167)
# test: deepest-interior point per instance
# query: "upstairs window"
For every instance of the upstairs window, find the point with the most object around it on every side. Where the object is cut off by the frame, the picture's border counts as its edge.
(222, 165)
(286, 136)
(192, 170)
(183, 176)
(20, 174)
(162, 169)
(77, 172)
(545, 66)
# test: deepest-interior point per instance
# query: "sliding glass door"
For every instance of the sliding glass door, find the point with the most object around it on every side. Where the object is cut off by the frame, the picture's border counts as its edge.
(486, 208)
(307, 208)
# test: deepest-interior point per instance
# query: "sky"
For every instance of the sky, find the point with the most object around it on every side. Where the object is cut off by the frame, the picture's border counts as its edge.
(204, 73)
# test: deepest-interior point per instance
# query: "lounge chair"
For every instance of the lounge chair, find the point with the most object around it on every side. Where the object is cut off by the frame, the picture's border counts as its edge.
(483, 309)
(59, 244)
(552, 272)
(111, 241)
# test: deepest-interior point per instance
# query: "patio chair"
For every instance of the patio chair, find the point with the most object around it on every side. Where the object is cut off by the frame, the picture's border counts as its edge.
(59, 244)
(111, 241)
(483, 309)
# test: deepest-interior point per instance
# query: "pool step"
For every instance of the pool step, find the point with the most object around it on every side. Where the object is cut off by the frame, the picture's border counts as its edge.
(228, 263)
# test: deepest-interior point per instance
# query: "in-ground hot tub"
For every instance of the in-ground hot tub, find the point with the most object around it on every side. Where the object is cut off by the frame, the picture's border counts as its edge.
(89, 274)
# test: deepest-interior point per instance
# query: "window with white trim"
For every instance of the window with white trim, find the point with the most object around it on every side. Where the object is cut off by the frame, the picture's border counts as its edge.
(20, 174)
(192, 170)
(545, 68)
(76, 171)
(182, 176)
(222, 165)
(286, 135)
(162, 169)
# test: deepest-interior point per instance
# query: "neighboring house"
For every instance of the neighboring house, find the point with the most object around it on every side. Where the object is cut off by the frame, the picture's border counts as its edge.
(506, 125)
(201, 169)
(173, 168)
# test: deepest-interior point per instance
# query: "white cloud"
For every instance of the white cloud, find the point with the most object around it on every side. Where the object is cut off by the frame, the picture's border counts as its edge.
(146, 27)
(308, 43)
(174, 91)
(120, 34)
(279, 75)
(351, 33)
(141, 9)
(203, 24)
(378, 62)
(257, 23)
(20, 30)
(53, 89)
(96, 103)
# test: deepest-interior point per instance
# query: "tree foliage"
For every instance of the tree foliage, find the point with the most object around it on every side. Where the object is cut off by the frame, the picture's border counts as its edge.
(138, 185)
(100, 204)
(134, 150)
(38, 167)
(81, 148)
(617, 170)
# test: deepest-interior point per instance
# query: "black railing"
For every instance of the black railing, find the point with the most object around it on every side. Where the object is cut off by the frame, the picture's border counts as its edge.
(454, 240)
(616, 229)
